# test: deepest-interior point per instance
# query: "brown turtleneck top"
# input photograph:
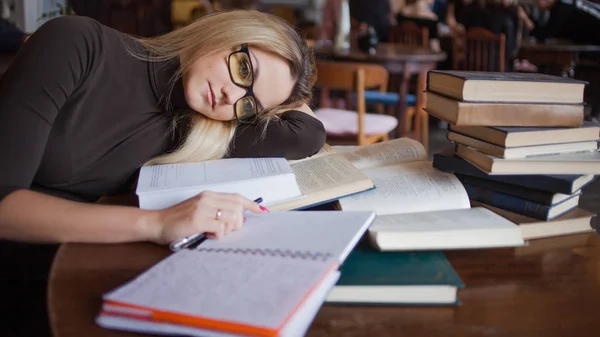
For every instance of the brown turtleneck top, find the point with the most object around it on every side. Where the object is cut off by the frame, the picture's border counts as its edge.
(79, 115)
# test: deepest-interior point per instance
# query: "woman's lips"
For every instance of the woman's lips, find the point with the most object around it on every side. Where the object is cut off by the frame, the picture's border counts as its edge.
(211, 97)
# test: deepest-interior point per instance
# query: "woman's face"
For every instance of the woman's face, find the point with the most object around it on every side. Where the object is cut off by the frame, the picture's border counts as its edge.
(209, 89)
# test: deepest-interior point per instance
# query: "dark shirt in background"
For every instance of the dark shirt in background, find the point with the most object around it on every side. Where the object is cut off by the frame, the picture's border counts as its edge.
(574, 20)
(375, 13)
(421, 22)
(496, 18)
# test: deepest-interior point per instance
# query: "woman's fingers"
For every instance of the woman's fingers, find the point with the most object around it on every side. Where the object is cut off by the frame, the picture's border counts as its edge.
(245, 203)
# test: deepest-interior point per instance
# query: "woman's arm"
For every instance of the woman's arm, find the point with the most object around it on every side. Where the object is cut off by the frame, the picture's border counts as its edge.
(35, 217)
(295, 134)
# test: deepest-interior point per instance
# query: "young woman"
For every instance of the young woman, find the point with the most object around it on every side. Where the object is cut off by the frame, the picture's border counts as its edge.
(83, 107)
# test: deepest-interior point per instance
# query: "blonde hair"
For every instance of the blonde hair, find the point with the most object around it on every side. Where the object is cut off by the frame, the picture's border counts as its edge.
(207, 138)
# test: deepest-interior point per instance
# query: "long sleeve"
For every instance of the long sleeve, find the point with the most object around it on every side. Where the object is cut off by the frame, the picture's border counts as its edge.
(559, 17)
(294, 135)
(48, 69)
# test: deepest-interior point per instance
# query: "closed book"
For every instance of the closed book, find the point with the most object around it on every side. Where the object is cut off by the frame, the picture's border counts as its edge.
(525, 193)
(441, 230)
(530, 136)
(574, 221)
(392, 278)
(521, 206)
(521, 151)
(565, 184)
(505, 114)
(480, 86)
(568, 163)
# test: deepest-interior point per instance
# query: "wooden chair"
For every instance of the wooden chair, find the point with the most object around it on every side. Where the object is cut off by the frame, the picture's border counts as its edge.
(408, 32)
(484, 50)
(362, 127)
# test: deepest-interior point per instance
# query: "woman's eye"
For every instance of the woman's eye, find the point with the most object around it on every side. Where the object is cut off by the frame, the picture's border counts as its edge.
(244, 70)
(248, 106)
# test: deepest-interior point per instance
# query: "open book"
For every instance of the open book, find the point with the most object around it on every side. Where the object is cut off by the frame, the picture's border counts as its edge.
(409, 191)
(281, 184)
(268, 279)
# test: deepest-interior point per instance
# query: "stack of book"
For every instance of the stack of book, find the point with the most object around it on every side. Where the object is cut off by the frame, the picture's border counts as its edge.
(522, 147)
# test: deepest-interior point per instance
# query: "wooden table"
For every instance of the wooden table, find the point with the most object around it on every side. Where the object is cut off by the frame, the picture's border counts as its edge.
(397, 59)
(558, 53)
(550, 288)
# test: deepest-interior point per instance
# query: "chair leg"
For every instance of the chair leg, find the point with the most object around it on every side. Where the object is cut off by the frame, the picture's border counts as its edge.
(410, 112)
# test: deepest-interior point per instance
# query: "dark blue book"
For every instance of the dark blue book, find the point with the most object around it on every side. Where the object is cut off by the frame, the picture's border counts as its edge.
(390, 278)
(565, 184)
(526, 193)
(521, 206)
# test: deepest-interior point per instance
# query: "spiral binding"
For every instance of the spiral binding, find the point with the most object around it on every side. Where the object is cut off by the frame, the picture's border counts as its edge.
(270, 252)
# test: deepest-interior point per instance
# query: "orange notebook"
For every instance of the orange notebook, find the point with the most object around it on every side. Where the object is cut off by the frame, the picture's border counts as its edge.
(268, 279)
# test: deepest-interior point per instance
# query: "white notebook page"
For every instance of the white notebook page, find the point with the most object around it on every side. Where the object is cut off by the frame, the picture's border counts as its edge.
(175, 176)
(262, 291)
(296, 326)
(309, 233)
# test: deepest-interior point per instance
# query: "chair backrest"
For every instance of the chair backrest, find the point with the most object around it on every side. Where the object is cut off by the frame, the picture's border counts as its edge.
(484, 50)
(350, 77)
(408, 32)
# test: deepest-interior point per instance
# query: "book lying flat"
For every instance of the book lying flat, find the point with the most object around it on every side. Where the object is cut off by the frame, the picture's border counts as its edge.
(564, 183)
(451, 229)
(521, 206)
(574, 221)
(570, 163)
(530, 136)
(521, 151)
(480, 86)
(411, 278)
(267, 279)
(414, 186)
(493, 113)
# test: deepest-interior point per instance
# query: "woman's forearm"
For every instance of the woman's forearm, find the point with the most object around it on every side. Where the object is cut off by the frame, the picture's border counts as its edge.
(35, 217)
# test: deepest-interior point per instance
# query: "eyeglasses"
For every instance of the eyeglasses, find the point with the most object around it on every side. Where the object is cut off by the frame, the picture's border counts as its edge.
(242, 75)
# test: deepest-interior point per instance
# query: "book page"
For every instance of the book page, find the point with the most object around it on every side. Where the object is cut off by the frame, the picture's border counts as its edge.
(179, 176)
(325, 150)
(409, 188)
(307, 233)
(402, 150)
(255, 290)
(325, 173)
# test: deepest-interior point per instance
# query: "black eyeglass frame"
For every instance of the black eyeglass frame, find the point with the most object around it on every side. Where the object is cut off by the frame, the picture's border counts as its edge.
(249, 88)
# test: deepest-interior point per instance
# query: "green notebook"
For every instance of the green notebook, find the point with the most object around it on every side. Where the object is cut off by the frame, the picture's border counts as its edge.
(371, 277)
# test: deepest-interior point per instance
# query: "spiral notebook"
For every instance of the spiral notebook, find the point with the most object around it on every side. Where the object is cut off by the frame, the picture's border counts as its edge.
(268, 279)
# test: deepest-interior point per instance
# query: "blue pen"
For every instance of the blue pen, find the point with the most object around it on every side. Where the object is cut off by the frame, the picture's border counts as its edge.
(192, 241)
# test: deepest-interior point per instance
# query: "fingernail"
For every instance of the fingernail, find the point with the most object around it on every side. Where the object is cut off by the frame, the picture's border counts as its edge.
(264, 209)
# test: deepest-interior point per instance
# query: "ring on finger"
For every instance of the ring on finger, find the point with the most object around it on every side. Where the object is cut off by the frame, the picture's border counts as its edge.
(218, 215)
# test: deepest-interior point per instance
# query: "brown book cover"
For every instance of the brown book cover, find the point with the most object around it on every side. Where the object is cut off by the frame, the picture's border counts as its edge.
(504, 114)
(470, 86)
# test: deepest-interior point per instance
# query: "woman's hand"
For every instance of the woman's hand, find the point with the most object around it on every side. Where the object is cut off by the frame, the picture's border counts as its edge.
(215, 214)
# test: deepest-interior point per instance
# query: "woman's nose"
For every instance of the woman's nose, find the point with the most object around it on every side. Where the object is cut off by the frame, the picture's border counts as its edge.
(232, 93)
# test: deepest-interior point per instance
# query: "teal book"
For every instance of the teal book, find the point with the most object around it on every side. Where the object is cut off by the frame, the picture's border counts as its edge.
(371, 277)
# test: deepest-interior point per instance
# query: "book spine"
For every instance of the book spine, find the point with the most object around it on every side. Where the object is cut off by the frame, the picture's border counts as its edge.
(508, 202)
(548, 183)
(529, 194)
